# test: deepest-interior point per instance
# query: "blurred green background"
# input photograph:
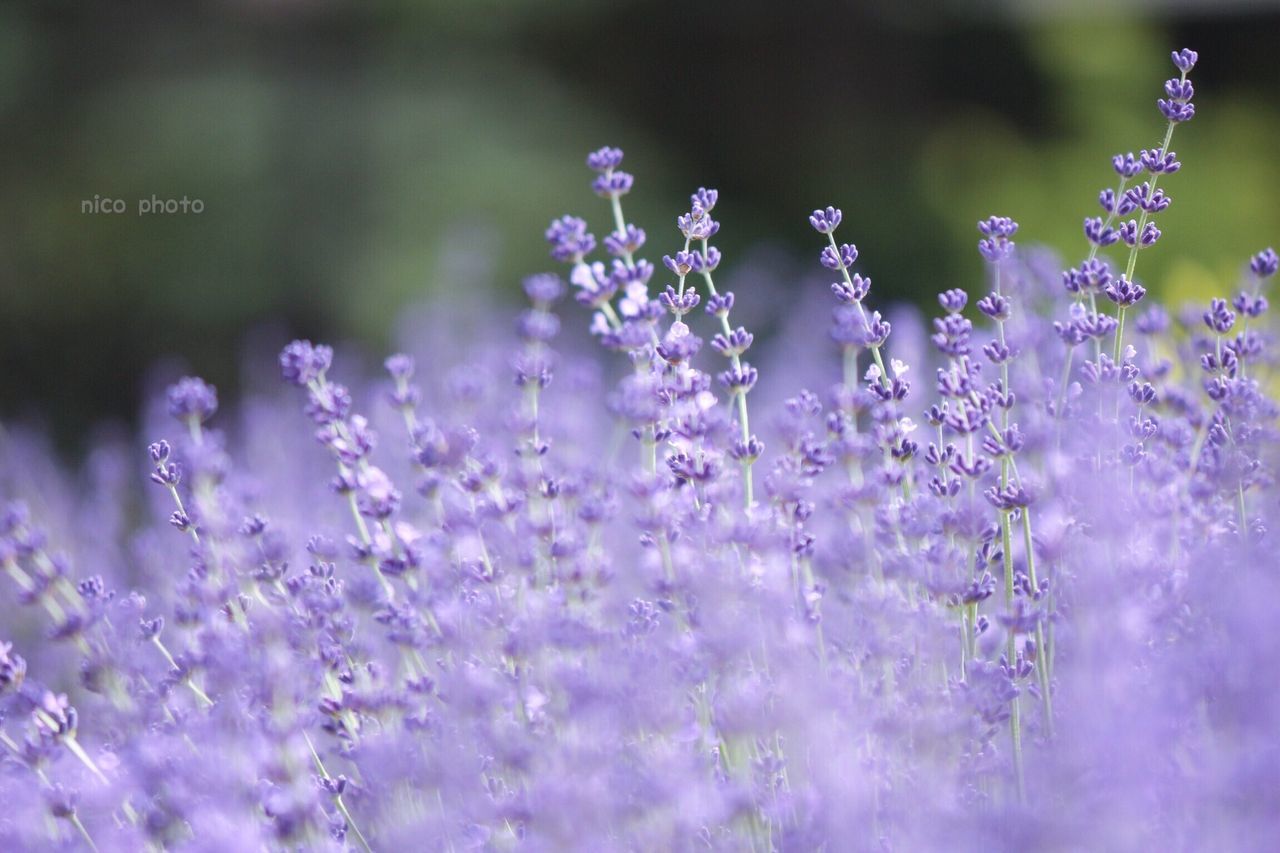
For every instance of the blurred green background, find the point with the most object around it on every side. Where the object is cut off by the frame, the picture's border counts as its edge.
(355, 157)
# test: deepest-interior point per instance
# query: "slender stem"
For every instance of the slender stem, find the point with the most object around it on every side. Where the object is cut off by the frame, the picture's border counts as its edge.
(78, 751)
(1059, 409)
(1042, 664)
(1143, 218)
(1015, 724)
(1006, 542)
(736, 361)
(862, 314)
(195, 688)
(84, 833)
(342, 807)
(1115, 354)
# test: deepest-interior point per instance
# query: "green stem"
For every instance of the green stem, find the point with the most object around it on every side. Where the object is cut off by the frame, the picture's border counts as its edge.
(84, 833)
(1042, 661)
(862, 314)
(1115, 354)
(736, 361)
(342, 807)
(195, 688)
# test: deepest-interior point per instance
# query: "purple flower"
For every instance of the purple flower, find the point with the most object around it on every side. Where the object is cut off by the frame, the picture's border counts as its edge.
(1158, 161)
(166, 474)
(877, 330)
(1124, 292)
(569, 238)
(399, 366)
(1131, 236)
(1070, 333)
(681, 263)
(747, 451)
(1099, 234)
(1185, 59)
(149, 629)
(538, 326)
(1265, 263)
(697, 226)
(53, 716)
(735, 342)
(1219, 318)
(704, 200)
(13, 669)
(678, 303)
(1126, 165)
(705, 262)
(1090, 277)
(191, 398)
(997, 353)
(604, 159)
(739, 380)
(951, 335)
(329, 403)
(679, 349)
(852, 291)
(1152, 321)
(721, 304)
(995, 244)
(595, 285)
(301, 363)
(1176, 111)
(613, 184)
(825, 221)
(996, 307)
(1179, 90)
(627, 241)
(1150, 201)
(543, 289)
(1009, 498)
(953, 300)
(838, 258)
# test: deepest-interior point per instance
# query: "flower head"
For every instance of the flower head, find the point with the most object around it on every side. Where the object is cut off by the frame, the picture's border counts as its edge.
(825, 221)
(1265, 263)
(301, 362)
(191, 398)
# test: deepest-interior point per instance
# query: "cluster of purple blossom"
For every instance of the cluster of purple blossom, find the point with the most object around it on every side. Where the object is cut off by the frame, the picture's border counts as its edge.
(1032, 608)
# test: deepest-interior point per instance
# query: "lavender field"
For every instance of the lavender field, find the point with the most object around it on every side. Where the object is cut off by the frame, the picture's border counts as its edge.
(999, 576)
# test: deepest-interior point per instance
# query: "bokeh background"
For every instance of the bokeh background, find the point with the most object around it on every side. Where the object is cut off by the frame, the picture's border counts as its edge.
(356, 158)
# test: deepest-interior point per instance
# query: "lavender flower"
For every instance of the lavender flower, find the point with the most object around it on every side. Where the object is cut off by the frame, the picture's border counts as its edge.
(1020, 605)
(192, 400)
(1265, 263)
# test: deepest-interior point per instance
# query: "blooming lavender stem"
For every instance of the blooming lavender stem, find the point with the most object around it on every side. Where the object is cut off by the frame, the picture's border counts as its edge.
(47, 600)
(862, 314)
(996, 247)
(320, 388)
(338, 801)
(195, 688)
(750, 453)
(614, 184)
(1180, 97)
(534, 372)
(1042, 660)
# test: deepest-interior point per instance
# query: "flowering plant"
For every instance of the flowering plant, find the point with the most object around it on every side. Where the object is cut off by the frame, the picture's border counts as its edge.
(1029, 606)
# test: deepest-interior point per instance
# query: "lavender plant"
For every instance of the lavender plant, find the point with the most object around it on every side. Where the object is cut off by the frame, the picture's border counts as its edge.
(595, 609)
